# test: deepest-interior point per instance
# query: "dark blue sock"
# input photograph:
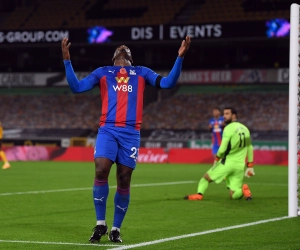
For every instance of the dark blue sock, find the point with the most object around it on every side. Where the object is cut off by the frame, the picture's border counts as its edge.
(122, 198)
(100, 193)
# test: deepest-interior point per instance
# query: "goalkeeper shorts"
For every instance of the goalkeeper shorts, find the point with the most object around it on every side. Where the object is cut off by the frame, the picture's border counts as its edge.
(233, 173)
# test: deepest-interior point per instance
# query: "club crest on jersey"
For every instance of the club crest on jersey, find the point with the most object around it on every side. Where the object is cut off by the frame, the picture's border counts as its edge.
(122, 79)
(132, 72)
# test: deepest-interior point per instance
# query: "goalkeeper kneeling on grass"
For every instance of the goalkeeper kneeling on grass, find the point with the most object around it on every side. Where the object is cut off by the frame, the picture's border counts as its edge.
(230, 160)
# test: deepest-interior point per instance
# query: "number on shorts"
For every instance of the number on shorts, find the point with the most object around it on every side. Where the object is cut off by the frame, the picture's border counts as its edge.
(134, 154)
(242, 140)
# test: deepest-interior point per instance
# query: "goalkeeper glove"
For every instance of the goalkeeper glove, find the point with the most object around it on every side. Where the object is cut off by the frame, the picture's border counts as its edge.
(249, 170)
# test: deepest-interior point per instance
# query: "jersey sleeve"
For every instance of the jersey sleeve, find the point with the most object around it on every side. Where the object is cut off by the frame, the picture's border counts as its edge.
(166, 82)
(250, 153)
(227, 133)
(150, 76)
(87, 83)
(210, 125)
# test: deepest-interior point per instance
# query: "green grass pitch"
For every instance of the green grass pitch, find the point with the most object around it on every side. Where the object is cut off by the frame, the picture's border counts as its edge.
(157, 210)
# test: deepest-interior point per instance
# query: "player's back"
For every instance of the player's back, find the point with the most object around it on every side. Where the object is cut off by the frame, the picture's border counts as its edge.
(238, 144)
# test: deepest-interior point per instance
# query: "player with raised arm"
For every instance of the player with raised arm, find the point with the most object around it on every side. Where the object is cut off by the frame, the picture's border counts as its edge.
(118, 140)
(216, 125)
(6, 164)
(230, 160)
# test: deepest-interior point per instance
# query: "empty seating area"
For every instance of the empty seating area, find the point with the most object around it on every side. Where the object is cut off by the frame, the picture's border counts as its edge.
(45, 14)
(267, 5)
(239, 10)
(19, 16)
(54, 14)
(146, 12)
(181, 111)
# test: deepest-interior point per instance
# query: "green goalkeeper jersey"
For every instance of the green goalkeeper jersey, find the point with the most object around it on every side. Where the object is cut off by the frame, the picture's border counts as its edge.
(236, 144)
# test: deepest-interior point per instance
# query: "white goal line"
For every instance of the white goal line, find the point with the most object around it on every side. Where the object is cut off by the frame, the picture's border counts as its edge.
(197, 234)
(123, 247)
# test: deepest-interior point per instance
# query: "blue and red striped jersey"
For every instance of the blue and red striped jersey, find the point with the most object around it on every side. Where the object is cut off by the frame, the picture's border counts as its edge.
(217, 130)
(122, 90)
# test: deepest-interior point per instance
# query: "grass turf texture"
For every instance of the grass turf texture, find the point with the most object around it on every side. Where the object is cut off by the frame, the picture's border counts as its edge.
(155, 212)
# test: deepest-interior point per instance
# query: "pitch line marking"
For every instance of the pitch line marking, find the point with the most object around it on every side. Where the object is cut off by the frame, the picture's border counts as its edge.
(57, 243)
(268, 184)
(197, 234)
(90, 188)
(133, 185)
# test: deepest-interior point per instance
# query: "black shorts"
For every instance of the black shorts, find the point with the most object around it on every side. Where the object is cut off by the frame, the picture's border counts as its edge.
(0, 144)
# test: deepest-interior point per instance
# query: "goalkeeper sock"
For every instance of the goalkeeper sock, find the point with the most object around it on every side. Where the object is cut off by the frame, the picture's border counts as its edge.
(3, 156)
(122, 198)
(100, 193)
(237, 194)
(202, 186)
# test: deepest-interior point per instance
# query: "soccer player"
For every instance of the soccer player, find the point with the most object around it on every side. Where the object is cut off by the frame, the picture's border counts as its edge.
(118, 140)
(230, 160)
(216, 125)
(2, 154)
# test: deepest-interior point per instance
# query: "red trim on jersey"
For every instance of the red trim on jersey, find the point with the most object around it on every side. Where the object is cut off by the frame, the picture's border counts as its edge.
(104, 97)
(219, 138)
(139, 102)
(122, 102)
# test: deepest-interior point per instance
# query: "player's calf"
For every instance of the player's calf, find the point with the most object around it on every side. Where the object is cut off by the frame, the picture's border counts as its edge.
(237, 194)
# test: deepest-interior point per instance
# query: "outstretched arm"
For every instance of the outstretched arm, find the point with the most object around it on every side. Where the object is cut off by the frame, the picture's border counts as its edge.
(171, 79)
(76, 86)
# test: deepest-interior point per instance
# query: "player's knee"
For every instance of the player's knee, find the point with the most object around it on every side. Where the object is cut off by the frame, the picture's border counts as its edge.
(124, 180)
(102, 173)
(103, 166)
(206, 176)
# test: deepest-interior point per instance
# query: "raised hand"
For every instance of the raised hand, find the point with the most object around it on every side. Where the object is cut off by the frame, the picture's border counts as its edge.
(65, 45)
(185, 44)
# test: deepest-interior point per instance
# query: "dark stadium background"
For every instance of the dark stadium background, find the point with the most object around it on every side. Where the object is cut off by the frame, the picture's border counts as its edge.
(50, 114)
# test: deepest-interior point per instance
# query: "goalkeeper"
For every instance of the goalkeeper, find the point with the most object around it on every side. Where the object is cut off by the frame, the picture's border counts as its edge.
(230, 160)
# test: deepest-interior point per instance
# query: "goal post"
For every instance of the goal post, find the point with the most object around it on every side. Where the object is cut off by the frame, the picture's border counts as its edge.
(294, 112)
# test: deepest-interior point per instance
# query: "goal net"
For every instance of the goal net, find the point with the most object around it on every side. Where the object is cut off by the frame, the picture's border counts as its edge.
(294, 114)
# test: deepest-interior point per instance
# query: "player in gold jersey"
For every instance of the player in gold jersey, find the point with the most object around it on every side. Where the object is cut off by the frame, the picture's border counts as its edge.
(2, 154)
